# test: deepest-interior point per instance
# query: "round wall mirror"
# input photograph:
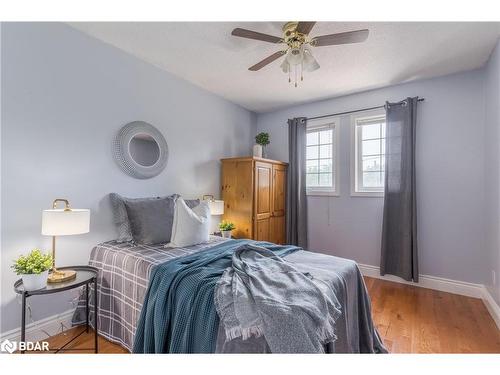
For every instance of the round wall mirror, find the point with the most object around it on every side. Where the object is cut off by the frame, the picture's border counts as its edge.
(140, 150)
(144, 150)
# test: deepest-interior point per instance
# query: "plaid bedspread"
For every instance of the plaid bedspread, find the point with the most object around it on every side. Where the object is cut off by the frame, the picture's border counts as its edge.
(124, 270)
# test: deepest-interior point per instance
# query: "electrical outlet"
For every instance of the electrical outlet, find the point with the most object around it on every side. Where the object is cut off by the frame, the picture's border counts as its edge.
(494, 277)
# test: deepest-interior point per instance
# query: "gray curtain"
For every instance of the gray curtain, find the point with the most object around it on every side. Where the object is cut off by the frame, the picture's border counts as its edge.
(399, 232)
(296, 212)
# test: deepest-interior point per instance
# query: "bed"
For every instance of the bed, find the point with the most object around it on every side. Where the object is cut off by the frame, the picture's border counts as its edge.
(125, 270)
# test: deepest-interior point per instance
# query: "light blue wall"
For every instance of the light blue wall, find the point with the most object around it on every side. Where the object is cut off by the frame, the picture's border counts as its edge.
(64, 97)
(450, 172)
(492, 186)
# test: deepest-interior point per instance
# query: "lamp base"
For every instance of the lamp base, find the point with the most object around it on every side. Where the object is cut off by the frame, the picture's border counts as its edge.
(57, 276)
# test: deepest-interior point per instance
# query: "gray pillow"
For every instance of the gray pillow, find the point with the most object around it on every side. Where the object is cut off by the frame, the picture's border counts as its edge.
(121, 217)
(151, 219)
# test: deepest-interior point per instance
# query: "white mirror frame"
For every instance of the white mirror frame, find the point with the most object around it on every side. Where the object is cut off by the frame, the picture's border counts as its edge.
(122, 155)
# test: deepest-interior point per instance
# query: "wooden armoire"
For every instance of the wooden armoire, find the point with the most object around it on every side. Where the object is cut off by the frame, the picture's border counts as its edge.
(254, 195)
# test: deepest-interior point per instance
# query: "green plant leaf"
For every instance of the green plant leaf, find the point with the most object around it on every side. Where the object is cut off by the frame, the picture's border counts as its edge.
(35, 262)
(226, 225)
(262, 139)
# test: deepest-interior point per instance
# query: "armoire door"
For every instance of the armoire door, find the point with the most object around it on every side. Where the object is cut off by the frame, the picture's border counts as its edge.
(278, 204)
(237, 194)
(263, 201)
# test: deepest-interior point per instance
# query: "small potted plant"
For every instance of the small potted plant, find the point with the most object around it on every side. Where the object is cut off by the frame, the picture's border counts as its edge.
(261, 140)
(225, 228)
(34, 269)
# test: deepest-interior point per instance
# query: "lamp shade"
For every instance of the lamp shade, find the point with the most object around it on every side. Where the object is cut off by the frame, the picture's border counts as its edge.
(216, 207)
(60, 222)
(285, 66)
(294, 56)
(309, 63)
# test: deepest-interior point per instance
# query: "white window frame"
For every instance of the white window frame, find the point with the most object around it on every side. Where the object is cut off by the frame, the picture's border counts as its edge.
(332, 123)
(356, 165)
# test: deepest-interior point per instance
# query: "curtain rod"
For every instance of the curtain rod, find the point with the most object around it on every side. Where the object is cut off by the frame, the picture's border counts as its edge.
(354, 111)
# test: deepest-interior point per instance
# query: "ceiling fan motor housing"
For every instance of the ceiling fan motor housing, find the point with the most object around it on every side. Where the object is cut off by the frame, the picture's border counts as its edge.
(292, 37)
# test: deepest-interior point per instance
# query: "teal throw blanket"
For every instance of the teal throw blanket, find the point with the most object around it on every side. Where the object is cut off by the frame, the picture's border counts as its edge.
(178, 314)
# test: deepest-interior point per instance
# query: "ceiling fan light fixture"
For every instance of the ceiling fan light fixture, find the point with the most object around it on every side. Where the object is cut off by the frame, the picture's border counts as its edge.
(285, 66)
(294, 56)
(309, 63)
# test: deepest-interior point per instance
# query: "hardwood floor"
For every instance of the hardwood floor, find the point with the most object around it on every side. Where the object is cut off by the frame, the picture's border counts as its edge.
(409, 319)
(418, 320)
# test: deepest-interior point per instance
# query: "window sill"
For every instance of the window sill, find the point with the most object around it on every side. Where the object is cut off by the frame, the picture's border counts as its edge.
(322, 193)
(370, 194)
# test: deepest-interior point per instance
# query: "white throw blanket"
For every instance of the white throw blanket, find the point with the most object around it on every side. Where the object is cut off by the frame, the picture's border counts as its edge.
(263, 295)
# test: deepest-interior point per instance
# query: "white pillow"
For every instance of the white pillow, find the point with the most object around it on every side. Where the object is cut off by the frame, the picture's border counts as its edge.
(190, 226)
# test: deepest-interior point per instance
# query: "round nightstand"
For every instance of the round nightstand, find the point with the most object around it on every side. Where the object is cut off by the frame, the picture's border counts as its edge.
(85, 275)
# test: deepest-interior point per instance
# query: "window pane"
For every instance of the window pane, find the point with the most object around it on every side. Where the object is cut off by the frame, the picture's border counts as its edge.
(319, 155)
(371, 163)
(371, 131)
(325, 180)
(372, 179)
(371, 147)
(312, 179)
(325, 165)
(325, 136)
(312, 166)
(371, 141)
(312, 138)
(325, 151)
(312, 152)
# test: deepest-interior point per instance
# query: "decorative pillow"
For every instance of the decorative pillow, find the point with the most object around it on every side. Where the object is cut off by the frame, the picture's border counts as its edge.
(121, 217)
(191, 226)
(150, 219)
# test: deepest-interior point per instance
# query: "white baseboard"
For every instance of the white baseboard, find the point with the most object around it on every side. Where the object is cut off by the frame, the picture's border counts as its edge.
(429, 282)
(34, 331)
(443, 285)
(491, 305)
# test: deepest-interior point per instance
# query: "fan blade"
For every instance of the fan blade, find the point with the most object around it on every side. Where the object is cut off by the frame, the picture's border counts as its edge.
(266, 61)
(244, 33)
(340, 38)
(305, 27)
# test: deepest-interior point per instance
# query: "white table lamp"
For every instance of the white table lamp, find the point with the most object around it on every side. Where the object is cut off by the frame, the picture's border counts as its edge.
(63, 222)
(216, 206)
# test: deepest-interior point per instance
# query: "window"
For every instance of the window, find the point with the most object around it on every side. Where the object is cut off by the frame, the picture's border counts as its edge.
(321, 155)
(368, 159)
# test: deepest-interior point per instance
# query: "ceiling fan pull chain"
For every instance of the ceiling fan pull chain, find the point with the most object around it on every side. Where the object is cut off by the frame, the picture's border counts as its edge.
(295, 75)
(302, 70)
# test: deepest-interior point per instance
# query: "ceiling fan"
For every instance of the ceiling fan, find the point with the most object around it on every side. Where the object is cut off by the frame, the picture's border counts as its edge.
(297, 51)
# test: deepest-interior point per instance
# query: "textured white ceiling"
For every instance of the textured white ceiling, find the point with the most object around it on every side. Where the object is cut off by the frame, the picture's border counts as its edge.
(206, 54)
